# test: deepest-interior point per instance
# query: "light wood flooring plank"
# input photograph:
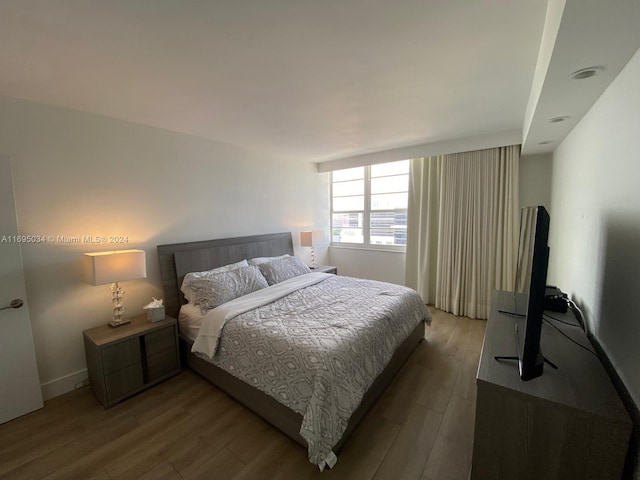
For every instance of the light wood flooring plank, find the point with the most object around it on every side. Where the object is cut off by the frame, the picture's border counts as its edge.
(112, 451)
(268, 462)
(56, 413)
(402, 394)
(209, 439)
(162, 471)
(365, 450)
(224, 465)
(68, 453)
(458, 343)
(253, 438)
(438, 385)
(450, 458)
(38, 444)
(100, 476)
(411, 448)
(146, 456)
(477, 335)
(441, 328)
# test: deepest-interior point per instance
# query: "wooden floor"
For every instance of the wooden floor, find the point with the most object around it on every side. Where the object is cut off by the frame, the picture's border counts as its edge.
(421, 428)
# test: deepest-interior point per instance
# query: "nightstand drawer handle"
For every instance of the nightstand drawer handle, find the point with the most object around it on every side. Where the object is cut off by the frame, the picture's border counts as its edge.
(15, 303)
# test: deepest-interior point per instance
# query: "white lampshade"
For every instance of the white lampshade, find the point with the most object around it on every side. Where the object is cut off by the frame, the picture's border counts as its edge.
(101, 268)
(306, 238)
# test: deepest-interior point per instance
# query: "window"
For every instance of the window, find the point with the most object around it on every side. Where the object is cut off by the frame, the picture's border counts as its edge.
(369, 205)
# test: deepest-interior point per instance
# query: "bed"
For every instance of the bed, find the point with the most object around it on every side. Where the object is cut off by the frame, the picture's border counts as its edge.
(296, 409)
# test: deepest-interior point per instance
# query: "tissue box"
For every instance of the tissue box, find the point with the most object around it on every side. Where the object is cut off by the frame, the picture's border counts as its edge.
(155, 314)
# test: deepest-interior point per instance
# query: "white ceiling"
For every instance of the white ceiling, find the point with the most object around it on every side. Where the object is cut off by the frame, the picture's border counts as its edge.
(578, 34)
(316, 80)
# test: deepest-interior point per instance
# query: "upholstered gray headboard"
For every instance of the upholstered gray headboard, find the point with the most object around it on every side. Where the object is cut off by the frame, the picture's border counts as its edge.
(178, 259)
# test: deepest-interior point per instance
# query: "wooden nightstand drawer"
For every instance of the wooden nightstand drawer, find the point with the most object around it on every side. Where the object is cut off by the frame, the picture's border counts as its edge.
(161, 364)
(124, 381)
(156, 342)
(125, 360)
(121, 355)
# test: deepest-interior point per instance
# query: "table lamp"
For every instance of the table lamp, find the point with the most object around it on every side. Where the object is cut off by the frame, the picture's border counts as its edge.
(101, 268)
(306, 240)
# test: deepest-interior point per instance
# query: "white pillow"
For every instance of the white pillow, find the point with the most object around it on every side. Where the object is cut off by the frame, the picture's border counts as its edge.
(186, 289)
(259, 260)
(283, 269)
(218, 288)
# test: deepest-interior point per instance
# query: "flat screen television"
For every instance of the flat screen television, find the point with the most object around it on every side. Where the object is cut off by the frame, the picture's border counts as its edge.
(531, 278)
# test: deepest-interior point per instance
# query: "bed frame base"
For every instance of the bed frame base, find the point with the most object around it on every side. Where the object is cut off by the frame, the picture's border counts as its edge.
(283, 418)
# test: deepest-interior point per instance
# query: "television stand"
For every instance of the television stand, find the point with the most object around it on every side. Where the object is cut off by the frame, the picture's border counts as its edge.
(568, 423)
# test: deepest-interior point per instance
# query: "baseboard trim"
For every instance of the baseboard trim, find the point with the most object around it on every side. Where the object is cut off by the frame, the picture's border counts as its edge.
(63, 385)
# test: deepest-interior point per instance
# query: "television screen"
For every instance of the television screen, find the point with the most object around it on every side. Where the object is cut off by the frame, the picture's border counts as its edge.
(531, 278)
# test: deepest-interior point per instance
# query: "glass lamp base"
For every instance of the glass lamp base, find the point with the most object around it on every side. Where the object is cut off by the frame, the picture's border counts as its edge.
(114, 323)
(118, 306)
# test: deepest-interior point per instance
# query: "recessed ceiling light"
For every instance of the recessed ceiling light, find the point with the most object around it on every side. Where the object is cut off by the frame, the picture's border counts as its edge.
(585, 73)
(545, 142)
(559, 119)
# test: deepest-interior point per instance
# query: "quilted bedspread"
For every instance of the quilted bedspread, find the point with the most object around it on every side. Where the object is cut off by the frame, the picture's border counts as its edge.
(318, 349)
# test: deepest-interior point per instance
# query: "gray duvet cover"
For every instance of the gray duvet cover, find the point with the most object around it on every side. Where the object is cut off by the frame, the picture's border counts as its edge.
(318, 350)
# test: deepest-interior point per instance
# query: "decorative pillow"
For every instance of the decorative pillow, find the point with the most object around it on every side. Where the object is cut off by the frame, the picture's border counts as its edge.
(283, 269)
(218, 288)
(186, 289)
(259, 260)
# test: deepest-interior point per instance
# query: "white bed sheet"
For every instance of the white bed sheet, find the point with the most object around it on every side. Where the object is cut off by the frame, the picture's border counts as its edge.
(189, 320)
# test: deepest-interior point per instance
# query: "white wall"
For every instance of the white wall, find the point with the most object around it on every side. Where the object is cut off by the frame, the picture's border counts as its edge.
(80, 174)
(535, 180)
(386, 266)
(595, 221)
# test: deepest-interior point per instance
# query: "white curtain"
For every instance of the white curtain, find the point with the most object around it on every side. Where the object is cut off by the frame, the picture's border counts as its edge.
(462, 228)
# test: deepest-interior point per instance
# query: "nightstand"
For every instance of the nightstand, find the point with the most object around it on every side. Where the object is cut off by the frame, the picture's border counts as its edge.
(325, 269)
(125, 360)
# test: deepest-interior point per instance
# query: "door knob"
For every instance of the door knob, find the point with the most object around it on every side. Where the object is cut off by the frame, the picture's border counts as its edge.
(15, 303)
